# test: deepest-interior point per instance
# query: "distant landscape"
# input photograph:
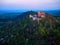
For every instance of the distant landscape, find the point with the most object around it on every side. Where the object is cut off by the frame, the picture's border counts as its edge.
(6, 14)
(54, 12)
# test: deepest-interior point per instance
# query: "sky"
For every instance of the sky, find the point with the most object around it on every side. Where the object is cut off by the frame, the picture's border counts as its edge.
(29, 5)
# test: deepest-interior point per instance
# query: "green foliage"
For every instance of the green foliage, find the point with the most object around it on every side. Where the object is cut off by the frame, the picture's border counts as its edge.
(25, 31)
(57, 32)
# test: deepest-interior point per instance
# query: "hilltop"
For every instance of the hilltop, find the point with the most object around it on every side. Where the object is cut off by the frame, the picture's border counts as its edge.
(26, 31)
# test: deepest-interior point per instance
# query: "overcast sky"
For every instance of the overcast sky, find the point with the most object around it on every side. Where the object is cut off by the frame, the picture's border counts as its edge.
(29, 4)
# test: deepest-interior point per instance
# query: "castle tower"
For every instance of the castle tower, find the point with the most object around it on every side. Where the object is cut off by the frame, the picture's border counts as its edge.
(40, 16)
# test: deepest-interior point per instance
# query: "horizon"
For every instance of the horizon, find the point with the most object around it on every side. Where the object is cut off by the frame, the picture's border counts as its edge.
(20, 11)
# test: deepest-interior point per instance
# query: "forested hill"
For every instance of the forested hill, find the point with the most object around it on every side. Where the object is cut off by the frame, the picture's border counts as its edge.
(25, 31)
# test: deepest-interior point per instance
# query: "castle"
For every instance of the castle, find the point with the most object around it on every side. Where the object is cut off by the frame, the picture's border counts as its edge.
(37, 16)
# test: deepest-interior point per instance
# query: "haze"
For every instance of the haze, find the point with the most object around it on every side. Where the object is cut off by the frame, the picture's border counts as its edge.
(29, 5)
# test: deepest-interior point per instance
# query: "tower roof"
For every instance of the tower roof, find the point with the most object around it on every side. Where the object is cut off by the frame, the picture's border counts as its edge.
(41, 13)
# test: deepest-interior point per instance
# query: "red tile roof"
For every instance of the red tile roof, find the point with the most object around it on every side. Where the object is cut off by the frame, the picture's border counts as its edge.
(41, 13)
